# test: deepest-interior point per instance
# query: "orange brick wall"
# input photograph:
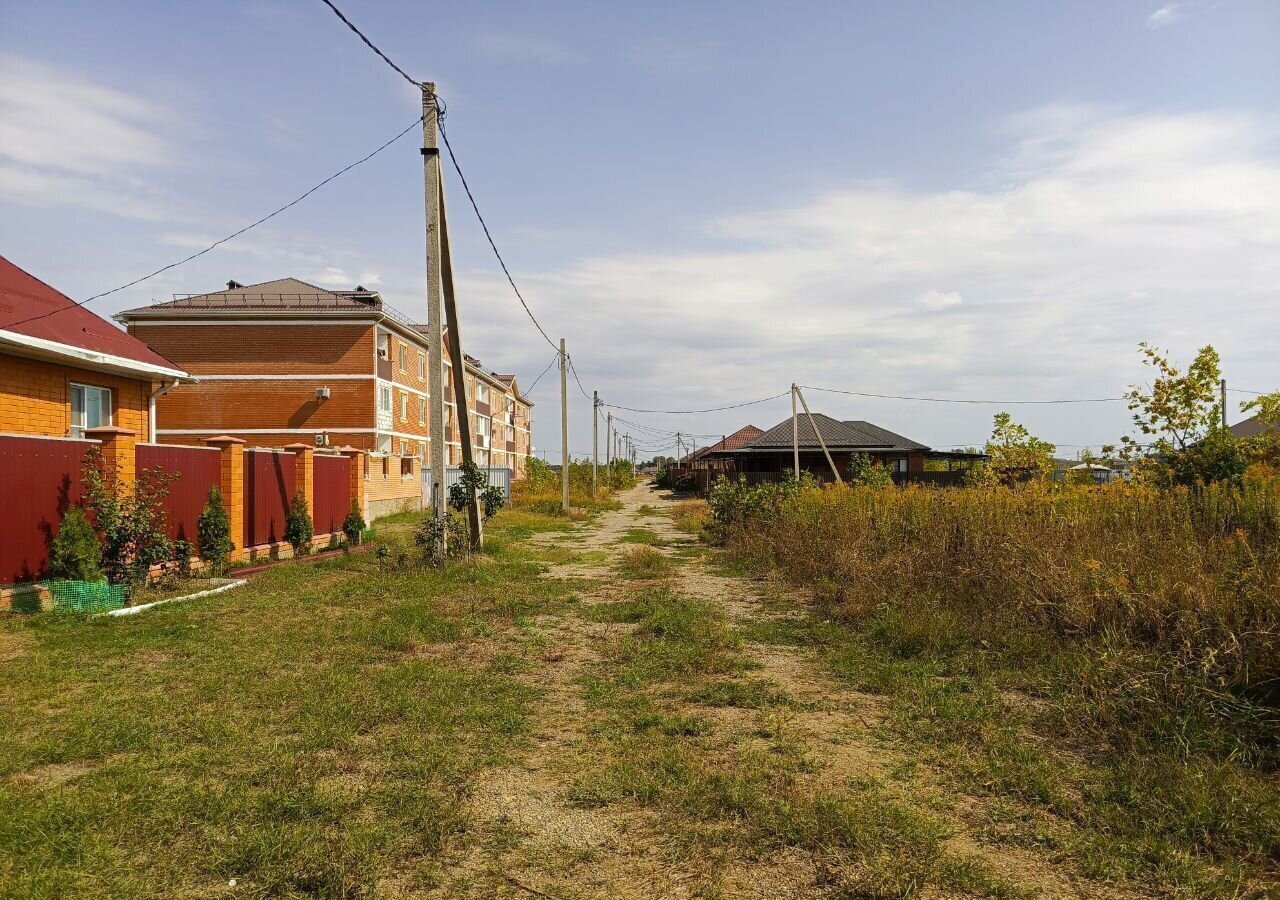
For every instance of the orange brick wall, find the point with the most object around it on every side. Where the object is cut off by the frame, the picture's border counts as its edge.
(221, 406)
(35, 397)
(263, 349)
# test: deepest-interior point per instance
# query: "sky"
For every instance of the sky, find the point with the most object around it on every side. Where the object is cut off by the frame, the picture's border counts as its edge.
(708, 201)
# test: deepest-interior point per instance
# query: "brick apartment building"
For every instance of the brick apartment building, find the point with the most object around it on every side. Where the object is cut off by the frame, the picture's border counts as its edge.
(284, 362)
(65, 371)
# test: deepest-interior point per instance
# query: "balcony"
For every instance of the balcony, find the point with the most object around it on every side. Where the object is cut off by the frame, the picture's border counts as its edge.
(385, 370)
(384, 420)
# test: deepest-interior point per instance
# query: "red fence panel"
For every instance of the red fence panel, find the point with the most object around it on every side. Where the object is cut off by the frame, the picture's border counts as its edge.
(269, 486)
(39, 481)
(332, 493)
(197, 468)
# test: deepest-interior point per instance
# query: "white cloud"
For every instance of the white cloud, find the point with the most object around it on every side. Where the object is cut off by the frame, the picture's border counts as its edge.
(1177, 11)
(940, 299)
(1093, 230)
(65, 140)
(512, 48)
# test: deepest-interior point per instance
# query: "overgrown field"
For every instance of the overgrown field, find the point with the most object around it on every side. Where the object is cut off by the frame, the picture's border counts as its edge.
(1104, 664)
(540, 490)
(313, 734)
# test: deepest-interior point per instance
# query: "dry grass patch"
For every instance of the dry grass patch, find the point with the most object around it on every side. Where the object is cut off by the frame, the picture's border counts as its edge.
(644, 563)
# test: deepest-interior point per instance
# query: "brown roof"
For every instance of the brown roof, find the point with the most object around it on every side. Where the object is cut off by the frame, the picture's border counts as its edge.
(281, 294)
(1250, 427)
(742, 436)
(23, 296)
(852, 435)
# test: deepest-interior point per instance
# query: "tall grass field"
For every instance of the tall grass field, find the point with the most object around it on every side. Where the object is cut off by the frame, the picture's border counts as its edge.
(1108, 656)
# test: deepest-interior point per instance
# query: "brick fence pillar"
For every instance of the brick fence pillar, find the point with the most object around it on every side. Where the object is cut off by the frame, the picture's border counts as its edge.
(355, 473)
(119, 448)
(304, 475)
(231, 484)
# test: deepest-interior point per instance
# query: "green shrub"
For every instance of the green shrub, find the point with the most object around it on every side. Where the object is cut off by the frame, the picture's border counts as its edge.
(76, 554)
(298, 530)
(353, 526)
(131, 520)
(213, 532)
(862, 470)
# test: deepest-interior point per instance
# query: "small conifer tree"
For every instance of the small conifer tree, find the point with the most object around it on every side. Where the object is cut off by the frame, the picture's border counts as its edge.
(298, 530)
(76, 554)
(213, 531)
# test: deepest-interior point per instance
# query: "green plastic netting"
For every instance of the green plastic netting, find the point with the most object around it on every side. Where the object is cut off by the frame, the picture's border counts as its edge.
(87, 596)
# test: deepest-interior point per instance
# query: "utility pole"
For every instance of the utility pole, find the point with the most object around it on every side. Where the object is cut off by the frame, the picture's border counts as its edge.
(595, 443)
(679, 448)
(435, 309)
(454, 329)
(1223, 387)
(818, 435)
(608, 449)
(564, 428)
(795, 433)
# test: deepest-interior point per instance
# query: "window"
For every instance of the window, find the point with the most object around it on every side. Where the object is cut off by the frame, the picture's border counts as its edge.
(482, 431)
(422, 410)
(900, 465)
(384, 398)
(422, 366)
(482, 392)
(404, 357)
(404, 406)
(90, 408)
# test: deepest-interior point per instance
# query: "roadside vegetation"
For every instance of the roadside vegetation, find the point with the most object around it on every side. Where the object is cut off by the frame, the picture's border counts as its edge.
(540, 490)
(1103, 662)
(310, 735)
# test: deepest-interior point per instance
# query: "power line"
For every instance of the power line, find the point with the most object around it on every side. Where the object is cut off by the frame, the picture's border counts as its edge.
(229, 237)
(444, 135)
(360, 34)
(1243, 391)
(690, 412)
(554, 360)
(574, 370)
(809, 387)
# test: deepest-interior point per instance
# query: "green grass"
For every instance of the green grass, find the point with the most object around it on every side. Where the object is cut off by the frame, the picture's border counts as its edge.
(643, 563)
(307, 735)
(642, 536)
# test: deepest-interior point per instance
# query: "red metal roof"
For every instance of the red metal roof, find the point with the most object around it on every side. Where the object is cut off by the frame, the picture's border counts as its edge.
(23, 296)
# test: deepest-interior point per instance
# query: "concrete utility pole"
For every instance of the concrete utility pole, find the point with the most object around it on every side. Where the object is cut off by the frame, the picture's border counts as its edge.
(1223, 387)
(595, 443)
(818, 434)
(608, 448)
(564, 428)
(795, 433)
(435, 309)
(457, 360)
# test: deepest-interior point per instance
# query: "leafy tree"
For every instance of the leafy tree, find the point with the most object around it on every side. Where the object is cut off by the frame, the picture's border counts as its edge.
(1014, 454)
(213, 532)
(76, 554)
(864, 471)
(1181, 414)
(298, 529)
(132, 521)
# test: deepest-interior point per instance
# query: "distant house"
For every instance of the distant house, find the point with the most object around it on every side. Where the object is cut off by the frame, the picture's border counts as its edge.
(286, 361)
(771, 451)
(1251, 428)
(65, 371)
(715, 456)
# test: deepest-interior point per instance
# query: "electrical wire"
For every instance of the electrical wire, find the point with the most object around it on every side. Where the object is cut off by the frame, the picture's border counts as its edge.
(220, 241)
(690, 412)
(574, 370)
(554, 360)
(809, 387)
(360, 34)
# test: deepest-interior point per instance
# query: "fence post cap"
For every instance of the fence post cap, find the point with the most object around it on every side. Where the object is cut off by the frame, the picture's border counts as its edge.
(298, 447)
(225, 440)
(348, 450)
(109, 431)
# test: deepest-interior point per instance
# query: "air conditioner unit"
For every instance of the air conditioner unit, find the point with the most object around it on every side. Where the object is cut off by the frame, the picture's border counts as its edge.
(322, 440)
(322, 393)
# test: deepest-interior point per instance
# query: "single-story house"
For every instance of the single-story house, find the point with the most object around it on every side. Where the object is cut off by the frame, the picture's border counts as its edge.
(65, 370)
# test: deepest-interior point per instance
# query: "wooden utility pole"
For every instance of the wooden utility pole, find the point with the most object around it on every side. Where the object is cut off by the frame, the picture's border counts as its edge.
(564, 428)
(795, 434)
(595, 443)
(435, 310)
(818, 434)
(458, 362)
(1223, 391)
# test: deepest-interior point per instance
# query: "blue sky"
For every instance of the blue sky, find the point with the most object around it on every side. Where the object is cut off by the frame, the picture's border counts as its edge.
(708, 200)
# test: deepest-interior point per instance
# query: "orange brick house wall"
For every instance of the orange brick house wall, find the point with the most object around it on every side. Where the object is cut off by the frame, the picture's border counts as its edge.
(35, 397)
